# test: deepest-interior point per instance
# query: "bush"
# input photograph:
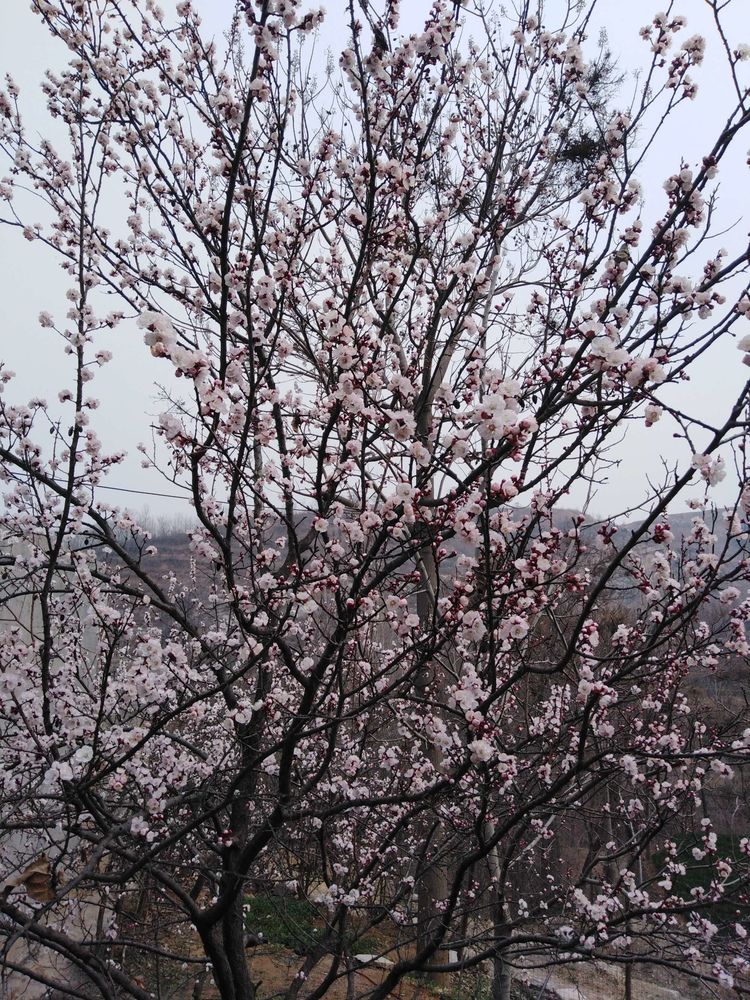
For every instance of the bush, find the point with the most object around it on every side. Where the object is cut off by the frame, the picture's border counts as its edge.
(284, 921)
(296, 924)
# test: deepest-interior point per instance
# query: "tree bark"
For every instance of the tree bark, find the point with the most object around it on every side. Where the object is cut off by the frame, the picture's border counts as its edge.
(433, 886)
(502, 975)
(225, 946)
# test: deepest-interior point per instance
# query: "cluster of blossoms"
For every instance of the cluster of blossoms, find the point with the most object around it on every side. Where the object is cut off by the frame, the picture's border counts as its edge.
(392, 664)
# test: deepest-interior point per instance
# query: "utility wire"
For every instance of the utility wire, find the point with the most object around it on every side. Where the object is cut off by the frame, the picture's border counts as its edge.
(147, 493)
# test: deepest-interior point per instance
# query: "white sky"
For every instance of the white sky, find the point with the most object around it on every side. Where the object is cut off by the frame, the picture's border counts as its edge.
(30, 279)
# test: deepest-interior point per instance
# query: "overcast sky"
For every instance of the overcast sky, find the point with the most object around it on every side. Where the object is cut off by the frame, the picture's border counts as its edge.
(30, 281)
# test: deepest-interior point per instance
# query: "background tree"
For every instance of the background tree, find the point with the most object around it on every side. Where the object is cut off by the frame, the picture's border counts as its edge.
(408, 312)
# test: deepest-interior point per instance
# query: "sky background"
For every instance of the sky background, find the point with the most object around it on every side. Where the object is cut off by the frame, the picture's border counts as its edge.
(31, 281)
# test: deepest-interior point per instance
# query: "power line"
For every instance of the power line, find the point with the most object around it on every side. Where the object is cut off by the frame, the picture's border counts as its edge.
(151, 493)
(147, 493)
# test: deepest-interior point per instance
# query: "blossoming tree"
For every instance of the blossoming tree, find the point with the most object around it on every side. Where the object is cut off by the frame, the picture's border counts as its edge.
(399, 311)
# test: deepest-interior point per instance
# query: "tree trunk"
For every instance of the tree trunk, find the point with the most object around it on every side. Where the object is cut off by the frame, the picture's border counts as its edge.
(225, 947)
(233, 932)
(502, 975)
(433, 886)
